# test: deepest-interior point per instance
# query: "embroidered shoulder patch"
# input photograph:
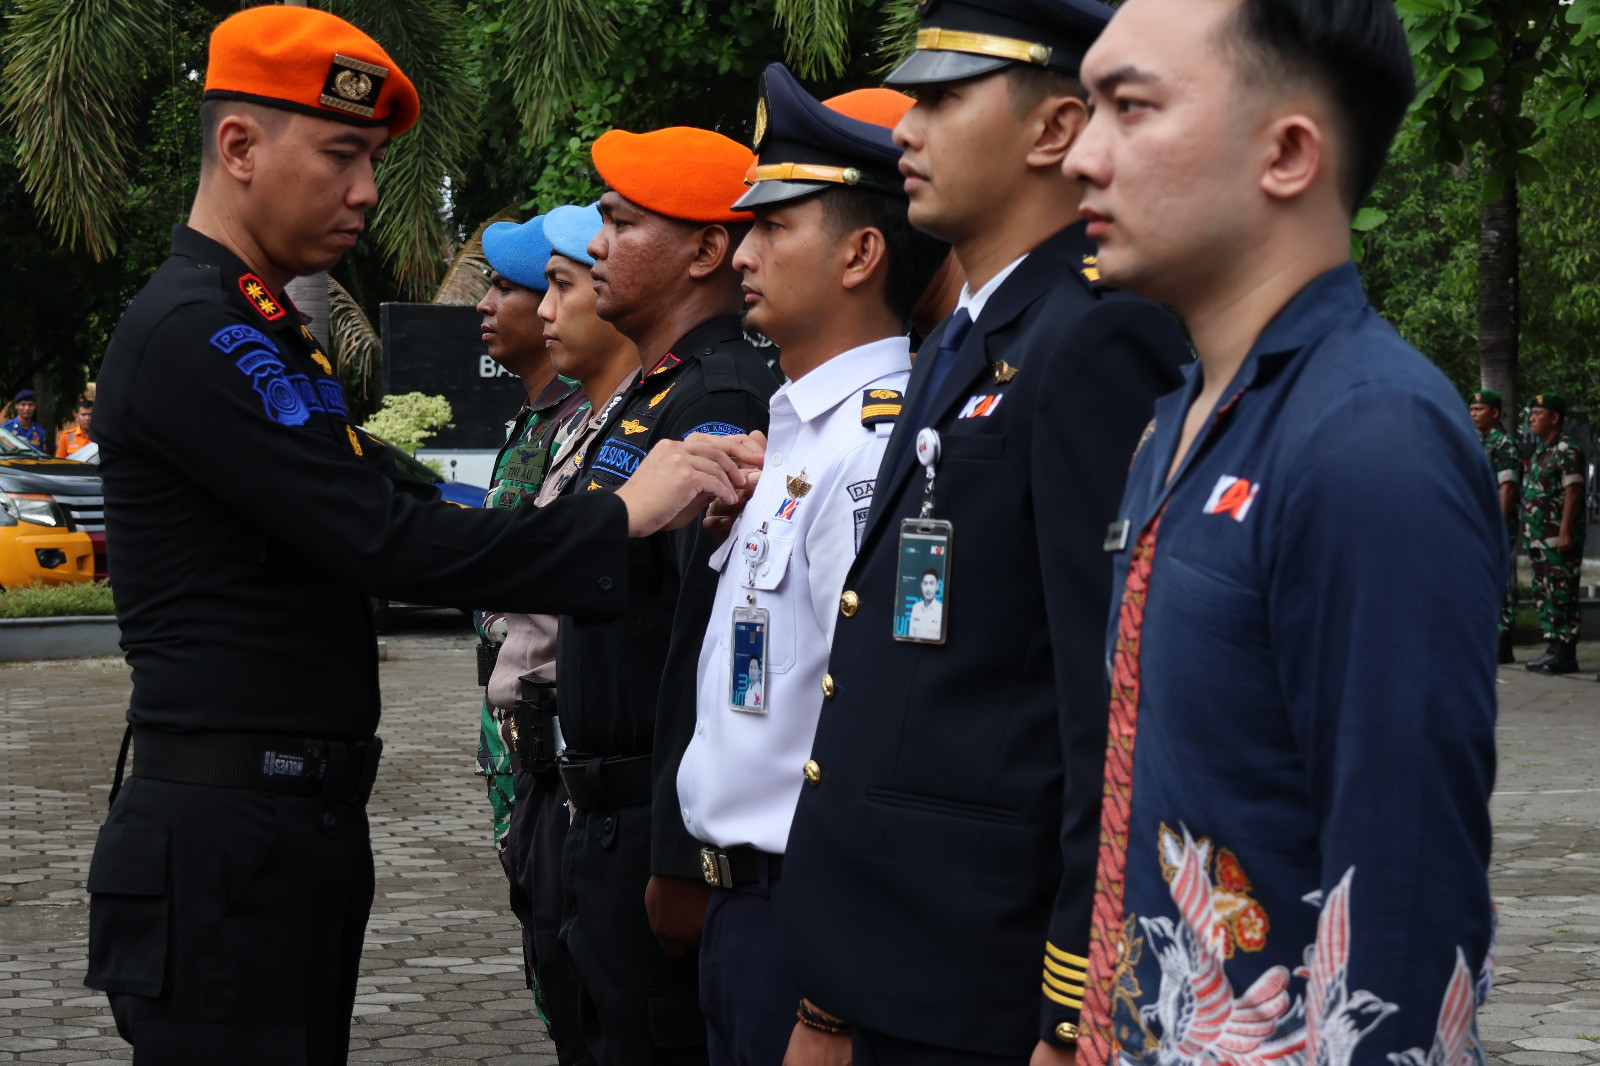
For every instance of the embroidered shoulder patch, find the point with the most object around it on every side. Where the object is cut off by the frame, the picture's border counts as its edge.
(662, 395)
(280, 399)
(226, 340)
(632, 426)
(1090, 272)
(618, 458)
(255, 290)
(715, 429)
(880, 405)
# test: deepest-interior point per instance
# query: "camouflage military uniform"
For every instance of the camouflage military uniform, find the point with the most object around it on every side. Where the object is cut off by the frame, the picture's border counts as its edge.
(537, 433)
(1552, 468)
(1505, 459)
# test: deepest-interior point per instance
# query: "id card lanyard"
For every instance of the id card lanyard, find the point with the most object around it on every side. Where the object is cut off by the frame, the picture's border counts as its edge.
(922, 578)
(747, 666)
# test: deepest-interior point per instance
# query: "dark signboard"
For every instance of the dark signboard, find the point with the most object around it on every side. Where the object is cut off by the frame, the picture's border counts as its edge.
(439, 351)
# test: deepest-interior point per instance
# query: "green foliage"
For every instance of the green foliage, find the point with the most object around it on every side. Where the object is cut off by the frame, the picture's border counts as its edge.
(410, 418)
(57, 601)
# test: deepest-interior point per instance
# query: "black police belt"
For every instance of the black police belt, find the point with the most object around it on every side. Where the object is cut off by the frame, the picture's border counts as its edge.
(733, 867)
(596, 782)
(338, 771)
(533, 724)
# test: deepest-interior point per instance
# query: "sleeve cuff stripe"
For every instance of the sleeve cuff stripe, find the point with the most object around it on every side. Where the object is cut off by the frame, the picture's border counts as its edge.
(1069, 988)
(1080, 961)
(1509, 477)
(1572, 479)
(1066, 973)
(1057, 997)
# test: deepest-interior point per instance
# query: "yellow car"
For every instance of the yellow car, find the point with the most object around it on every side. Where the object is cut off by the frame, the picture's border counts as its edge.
(49, 511)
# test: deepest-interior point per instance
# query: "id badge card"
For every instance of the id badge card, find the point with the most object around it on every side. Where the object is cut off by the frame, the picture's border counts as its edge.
(922, 581)
(747, 679)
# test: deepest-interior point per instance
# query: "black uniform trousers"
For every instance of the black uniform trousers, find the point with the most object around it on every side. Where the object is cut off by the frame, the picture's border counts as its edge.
(640, 1006)
(534, 842)
(261, 968)
(878, 1049)
(746, 992)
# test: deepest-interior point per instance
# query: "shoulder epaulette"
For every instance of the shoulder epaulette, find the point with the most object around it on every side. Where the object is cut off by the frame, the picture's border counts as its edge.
(1089, 270)
(880, 405)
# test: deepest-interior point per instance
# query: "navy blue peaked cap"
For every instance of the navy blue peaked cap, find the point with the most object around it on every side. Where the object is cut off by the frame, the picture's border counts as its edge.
(802, 147)
(964, 38)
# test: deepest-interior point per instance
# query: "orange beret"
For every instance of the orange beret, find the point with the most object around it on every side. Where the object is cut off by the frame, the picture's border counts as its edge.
(881, 107)
(680, 172)
(302, 59)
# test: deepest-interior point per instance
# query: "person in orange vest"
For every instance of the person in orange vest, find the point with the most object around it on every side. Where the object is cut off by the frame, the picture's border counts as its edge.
(76, 435)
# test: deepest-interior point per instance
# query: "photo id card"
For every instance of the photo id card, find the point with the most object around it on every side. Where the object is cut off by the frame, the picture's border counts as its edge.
(747, 680)
(922, 583)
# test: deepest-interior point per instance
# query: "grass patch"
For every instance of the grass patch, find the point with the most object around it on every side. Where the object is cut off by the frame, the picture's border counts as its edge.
(56, 601)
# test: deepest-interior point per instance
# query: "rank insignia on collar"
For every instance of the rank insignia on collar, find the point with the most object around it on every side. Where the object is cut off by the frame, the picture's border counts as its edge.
(632, 426)
(797, 484)
(255, 290)
(668, 361)
(662, 395)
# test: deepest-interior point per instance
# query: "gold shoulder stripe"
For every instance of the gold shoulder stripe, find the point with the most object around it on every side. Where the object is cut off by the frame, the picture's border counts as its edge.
(1056, 997)
(1066, 973)
(1067, 957)
(878, 410)
(1066, 988)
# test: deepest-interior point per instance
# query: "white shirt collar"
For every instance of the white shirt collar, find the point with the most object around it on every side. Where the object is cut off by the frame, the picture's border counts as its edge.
(974, 302)
(830, 384)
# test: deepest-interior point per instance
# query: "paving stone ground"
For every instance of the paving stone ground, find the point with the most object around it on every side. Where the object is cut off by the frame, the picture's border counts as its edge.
(441, 975)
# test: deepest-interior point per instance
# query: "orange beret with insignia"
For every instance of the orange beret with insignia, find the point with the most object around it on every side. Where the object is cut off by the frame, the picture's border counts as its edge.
(680, 171)
(305, 60)
(881, 107)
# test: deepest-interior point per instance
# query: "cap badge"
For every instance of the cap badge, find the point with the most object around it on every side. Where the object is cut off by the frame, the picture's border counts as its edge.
(255, 290)
(851, 175)
(761, 123)
(1038, 53)
(353, 86)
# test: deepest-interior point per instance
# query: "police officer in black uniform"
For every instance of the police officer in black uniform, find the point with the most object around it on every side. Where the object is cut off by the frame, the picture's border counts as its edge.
(230, 885)
(635, 895)
(940, 868)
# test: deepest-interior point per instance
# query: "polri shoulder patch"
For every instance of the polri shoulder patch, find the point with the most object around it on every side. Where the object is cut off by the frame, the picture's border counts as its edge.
(226, 340)
(880, 405)
(255, 290)
(715, 429)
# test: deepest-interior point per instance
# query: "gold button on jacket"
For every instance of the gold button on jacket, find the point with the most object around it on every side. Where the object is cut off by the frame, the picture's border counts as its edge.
(827, 686)
(849, 604)
(813, 772)
(1066, 1032)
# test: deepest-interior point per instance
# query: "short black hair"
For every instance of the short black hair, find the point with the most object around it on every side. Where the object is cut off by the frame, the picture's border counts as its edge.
(1354, 50)
(931, 572)
(914, 257)
(85, 405)
(1028, 84)
(212, 112)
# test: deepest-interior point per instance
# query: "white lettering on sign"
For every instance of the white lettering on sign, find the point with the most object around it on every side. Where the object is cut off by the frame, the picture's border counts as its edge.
(488, 368)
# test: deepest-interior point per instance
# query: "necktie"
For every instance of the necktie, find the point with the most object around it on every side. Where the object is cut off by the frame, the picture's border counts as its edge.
(943, 360)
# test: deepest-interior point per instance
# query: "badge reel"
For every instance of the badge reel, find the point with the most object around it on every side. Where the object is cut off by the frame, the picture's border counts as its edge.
(747, 674)
(922, 579)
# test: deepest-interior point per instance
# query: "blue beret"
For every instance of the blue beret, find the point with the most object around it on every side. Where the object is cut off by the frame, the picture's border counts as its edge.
(570, 228)
(25, 394)
(519, 251)
(803, 147)
(965, 38)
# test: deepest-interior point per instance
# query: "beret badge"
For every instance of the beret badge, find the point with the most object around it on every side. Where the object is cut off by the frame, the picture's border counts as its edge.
(353, 85)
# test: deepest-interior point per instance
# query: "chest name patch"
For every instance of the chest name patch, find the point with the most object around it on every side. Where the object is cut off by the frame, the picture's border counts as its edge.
(1232, 497)
(981, 406)
(715, 429)
(618, 458)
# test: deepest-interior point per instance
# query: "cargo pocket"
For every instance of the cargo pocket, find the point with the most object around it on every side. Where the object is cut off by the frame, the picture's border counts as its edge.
(128, 911)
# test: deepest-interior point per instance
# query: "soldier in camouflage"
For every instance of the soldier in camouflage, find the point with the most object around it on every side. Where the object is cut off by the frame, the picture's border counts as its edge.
(1553, 526)
(1505, 459)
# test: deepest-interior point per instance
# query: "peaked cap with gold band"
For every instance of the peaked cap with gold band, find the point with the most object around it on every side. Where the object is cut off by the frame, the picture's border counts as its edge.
(305, 60)
(803, 147)
(680, 172)
(965, 38)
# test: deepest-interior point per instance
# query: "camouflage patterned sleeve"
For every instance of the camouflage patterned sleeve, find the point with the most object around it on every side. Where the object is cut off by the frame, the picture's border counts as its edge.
(1570, 463)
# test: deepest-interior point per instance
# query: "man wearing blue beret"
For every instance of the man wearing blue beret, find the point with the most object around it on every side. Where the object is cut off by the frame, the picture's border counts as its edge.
(23, 424)
(513, 753)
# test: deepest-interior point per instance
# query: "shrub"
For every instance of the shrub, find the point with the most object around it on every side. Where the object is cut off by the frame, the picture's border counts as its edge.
(410, 418)
(56, 601)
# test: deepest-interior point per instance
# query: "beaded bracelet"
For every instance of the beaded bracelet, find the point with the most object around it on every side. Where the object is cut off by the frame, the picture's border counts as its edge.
(822, 1023)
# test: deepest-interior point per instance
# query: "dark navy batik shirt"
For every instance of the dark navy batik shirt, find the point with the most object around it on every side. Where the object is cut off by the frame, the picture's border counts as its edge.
(1303, 703)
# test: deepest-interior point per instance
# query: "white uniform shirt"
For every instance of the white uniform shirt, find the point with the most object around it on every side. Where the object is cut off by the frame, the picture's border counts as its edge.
(742, 773)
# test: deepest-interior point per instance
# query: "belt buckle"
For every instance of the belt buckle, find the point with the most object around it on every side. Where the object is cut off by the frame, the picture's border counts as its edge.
(714, 867)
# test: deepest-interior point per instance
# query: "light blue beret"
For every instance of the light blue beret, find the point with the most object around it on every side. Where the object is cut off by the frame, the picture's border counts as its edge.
(519, 251)
(569, 230)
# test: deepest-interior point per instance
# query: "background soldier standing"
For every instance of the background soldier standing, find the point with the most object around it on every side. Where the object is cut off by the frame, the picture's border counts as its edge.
(1505, 459)
(230, 885)
(1553, 525)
